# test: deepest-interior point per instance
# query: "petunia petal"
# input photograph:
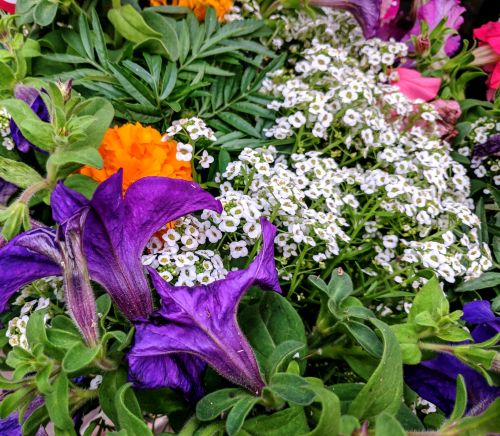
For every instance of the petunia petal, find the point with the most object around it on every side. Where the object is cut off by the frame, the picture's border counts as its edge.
(176, 371)
(65, 202)
(24, 260)
(202, 320)
(78, 291)
(118, 229)
(152, 202)
(366, 12)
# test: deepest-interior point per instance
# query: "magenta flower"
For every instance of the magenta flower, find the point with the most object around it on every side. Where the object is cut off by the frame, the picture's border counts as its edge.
(117, 229)
(487, 55)
(32, 97)
(366, 12)
(435, 380)
(433, 12)
(200, 323)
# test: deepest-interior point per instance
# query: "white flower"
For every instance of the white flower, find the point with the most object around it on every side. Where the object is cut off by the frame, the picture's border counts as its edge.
(206, 159)
(95, 382)
(238, 249)
(184, 152)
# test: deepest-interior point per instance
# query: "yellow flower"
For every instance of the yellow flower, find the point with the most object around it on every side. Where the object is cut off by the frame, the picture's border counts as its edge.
(199, 7)
(141, 152)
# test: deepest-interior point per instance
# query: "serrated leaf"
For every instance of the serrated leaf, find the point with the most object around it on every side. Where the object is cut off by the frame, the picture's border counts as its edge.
(239, 123)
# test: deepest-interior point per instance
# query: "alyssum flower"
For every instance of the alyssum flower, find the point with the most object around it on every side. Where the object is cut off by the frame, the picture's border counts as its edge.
(116, 230)
(200, 322)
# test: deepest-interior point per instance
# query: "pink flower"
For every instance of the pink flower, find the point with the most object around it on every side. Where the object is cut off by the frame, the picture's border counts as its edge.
(415, 86)
(8, 6)
(388, 10)
(487, 55)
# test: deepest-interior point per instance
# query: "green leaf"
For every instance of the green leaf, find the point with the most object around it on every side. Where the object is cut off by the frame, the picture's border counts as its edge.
(238, 413)
(78, 357)
(129, 413)
(213, 404)
(111, 382)
(329, 420)
(32, 127)
(32, 424)
(239, 123)
(386, 424)
(45, 12)
(460, 399)
(85, 156)
(365, 336)
(169, 80)
(375, 397)
(292, 388)
(430, 298)
(131, 25)
(82, 184)
(269, 322)
(42, 379)
(57, 404)
(160, 401)
(168, 39)
(286, 422)
(408, 341)
(485, 281)
(15, 400)
(487, 422)
(18, 173)
(281, 355)
(35, 329)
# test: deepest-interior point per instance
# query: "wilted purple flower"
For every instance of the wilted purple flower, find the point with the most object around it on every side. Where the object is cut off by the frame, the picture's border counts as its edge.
(32, 97)
(200, 322)
(6, 191)
(366, 12)
(65, 251)
(116, 231)
(435, 379)
(433, 12)
(489, 148)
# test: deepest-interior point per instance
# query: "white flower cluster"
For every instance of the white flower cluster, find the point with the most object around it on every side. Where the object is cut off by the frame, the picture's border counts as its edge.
(488, 166)
(194, 129)
(16, 330)
(177, 253)
(7, 140)
(321, 209)
(243, 8)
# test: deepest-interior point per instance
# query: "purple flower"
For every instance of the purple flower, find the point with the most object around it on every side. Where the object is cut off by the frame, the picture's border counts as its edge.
(115, 233)
(6, 191)
(366, 12)
(200, 323)
(433, 12)
(480, 313)
(10, 426)
(489, 148)
(32, 97)
(435, 380)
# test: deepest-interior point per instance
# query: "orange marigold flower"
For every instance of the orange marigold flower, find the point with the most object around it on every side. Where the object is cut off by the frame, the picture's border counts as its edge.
(199, 7)
(141, 152)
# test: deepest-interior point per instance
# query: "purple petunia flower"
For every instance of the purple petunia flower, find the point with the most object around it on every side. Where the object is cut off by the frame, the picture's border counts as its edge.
(433, 12)
(435, 379)
(366, 12)
(489, 148)
(116, 230)
(200, 323)
(32, 97)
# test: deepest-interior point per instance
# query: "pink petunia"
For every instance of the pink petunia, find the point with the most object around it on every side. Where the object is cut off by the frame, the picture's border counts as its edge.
(415, 86)
(8, 6)
(487, 55)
